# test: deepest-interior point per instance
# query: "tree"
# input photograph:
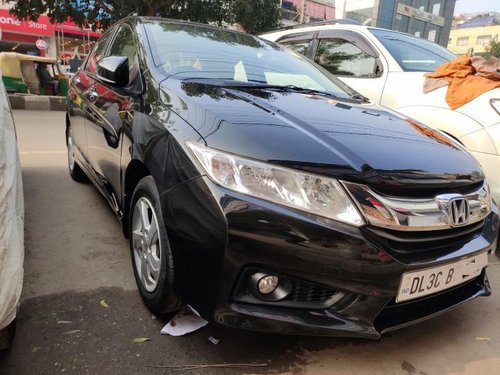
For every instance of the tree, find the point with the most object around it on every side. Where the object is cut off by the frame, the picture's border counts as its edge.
(258, 15)
(493, 49)
(106, 12)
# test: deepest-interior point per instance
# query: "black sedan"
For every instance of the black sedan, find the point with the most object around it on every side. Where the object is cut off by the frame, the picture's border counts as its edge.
(266, 194)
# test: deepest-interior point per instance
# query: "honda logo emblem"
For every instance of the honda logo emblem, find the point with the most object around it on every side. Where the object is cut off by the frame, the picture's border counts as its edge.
(456, 207)
(459, 211)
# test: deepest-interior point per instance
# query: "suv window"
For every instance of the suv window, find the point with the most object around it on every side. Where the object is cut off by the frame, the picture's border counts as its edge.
(413, 54)
(97, 53)
(299, 46)
(343, 58)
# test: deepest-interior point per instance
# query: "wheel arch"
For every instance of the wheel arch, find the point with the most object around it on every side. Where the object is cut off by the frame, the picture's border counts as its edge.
(136, 170)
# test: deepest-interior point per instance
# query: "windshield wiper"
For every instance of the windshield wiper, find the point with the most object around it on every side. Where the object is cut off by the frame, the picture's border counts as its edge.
(286, 88)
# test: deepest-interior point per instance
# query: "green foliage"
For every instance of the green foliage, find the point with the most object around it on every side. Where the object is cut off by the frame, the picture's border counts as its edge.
(257, 16)
(106, 12)
(493, 49)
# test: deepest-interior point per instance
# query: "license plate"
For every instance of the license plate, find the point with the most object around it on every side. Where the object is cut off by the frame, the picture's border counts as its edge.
(431, 280)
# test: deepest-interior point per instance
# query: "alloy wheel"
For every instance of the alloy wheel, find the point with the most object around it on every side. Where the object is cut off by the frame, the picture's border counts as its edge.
(146, 244)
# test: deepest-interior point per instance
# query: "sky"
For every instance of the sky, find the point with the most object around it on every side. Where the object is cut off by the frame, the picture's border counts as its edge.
(473, 6)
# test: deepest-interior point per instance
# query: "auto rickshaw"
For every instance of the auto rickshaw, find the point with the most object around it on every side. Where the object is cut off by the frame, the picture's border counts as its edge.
(29, 74)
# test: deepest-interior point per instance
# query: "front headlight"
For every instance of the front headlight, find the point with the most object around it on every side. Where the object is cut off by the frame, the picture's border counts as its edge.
(307, 192)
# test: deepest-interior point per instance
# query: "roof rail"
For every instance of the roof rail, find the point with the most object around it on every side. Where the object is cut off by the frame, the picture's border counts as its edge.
(339, 21)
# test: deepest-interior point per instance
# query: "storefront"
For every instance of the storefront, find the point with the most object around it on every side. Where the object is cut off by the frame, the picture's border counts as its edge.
(65, 41)
(28, 37)
(73, 43)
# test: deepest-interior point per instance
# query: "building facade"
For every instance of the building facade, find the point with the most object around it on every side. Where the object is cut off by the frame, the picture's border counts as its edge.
(303, 11)
(474, 32)
(429, 19)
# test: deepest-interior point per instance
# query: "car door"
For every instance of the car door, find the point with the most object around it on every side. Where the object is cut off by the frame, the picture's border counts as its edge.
(352, 58)
(108, 108)
(78, 90)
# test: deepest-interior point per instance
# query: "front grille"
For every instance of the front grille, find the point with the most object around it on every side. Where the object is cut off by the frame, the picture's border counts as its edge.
(404, 245)
(402, 191)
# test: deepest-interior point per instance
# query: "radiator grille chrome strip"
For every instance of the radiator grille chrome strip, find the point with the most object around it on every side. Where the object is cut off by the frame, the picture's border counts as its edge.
(407, 214)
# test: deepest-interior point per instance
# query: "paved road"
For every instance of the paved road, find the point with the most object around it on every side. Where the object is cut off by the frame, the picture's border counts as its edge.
(76, 257)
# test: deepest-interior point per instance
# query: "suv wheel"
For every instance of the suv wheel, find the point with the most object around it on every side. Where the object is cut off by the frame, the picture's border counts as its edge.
(7, 336)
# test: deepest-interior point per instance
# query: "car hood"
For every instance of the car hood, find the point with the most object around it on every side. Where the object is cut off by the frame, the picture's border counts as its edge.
(321, 134)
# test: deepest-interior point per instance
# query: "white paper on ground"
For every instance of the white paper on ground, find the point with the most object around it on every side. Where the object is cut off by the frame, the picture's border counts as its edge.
(185, 321)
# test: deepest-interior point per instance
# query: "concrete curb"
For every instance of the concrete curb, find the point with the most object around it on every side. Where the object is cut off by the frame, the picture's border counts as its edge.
(35, 102)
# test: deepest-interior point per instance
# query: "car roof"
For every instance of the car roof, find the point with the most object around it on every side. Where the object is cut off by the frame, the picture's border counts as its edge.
(135, 20)
(296, 29)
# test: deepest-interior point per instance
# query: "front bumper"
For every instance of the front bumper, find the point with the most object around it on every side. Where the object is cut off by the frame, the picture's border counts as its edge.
(217, 236)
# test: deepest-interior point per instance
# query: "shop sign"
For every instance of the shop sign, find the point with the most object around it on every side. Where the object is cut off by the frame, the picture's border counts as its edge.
(42, 26)
(41, 44)
(420, 14)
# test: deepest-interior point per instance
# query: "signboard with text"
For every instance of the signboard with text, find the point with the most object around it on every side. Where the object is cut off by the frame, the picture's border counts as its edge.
(420, 14)
(9, 22)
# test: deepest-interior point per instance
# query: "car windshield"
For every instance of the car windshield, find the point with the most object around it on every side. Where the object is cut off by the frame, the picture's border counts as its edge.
(190, 51)
(413, 54)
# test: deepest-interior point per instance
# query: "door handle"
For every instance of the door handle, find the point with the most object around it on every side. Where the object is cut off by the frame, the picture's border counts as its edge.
(92, 95)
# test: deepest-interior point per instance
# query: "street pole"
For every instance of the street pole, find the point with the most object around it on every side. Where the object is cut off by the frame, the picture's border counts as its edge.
(302, 11)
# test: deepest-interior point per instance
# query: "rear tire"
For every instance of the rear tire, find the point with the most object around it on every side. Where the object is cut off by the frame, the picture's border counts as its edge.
(76, 173)
(152, 259)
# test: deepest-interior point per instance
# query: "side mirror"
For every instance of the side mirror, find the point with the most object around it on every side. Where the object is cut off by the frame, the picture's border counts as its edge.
(114, 70)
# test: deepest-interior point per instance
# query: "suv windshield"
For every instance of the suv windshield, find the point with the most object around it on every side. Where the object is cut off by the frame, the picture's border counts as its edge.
(413, 54)
(190, 51)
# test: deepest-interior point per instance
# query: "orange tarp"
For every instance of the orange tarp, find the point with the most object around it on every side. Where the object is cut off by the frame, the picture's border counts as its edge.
(467, 78)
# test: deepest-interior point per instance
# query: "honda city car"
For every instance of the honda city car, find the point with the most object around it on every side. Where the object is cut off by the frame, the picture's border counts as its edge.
(267, 194)
(388, 67)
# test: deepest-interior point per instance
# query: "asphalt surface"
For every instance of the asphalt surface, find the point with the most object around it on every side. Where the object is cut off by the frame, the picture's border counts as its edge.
(81, 312)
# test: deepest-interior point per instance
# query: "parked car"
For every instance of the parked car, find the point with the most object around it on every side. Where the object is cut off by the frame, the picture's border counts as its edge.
(268, 195)
(11, 224)
(388, 67)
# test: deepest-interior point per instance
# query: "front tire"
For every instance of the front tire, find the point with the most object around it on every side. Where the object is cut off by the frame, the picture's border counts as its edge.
(152, 259)
(75, 171)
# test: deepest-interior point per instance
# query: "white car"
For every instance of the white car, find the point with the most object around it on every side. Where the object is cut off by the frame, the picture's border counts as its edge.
(11, 224)
(388, 67)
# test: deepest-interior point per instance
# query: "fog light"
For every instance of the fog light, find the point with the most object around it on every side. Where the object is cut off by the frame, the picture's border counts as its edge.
(268, 284)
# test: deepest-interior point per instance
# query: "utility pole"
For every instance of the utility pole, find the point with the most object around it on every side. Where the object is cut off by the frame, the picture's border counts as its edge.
(302, 11)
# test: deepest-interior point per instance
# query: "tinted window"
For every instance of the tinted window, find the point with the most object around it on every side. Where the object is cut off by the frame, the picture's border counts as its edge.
(191, 51)
(341, 57)
(298, 46)
(413, 54)
(97, 53)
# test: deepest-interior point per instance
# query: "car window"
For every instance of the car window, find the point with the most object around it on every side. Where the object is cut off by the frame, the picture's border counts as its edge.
(124, 44)
(298, 46)
(343, 58)
(203, 52)
(413, 54)
(97, 53)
